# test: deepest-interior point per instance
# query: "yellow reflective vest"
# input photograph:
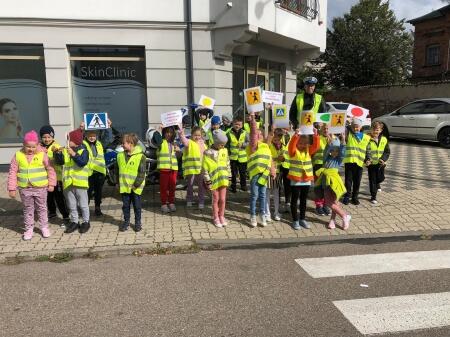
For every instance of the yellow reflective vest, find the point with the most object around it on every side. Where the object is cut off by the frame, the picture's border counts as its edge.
(377, 150)
(128, 171)
(276, 153)
(217, 170)
(192, 159)
(31, 173)
(259, 162)
(73, 175)
(58, 168)
(167, 160)
(285, 163)
(247, 126)
(236, 153)
(301, 165)
(355, 151)
(97, 163)
(317, 158)
(300, 101)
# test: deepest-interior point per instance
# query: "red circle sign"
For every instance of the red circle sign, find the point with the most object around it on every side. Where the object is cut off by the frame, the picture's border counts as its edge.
(357, 112)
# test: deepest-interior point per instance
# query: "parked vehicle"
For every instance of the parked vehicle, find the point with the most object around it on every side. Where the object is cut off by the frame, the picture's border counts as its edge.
(342, 106)
(427, 119)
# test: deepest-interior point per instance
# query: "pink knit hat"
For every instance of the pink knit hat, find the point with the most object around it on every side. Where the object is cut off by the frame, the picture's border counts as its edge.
(31, 137)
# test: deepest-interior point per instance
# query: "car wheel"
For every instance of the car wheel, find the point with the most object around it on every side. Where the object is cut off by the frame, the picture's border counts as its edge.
(385, 131)
(444, 137)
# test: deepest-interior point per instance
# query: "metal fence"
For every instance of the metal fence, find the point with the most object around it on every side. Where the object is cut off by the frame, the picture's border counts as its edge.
(307, 8)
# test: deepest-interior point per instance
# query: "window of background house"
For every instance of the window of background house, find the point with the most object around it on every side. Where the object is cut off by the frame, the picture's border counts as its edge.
(110, 79)
(433, 53)
(23, 91)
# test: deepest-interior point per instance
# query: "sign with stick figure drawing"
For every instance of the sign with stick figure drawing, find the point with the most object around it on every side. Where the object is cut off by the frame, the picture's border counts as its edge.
(307, 119)
(253, 99)
(95, 120)
(337, 124)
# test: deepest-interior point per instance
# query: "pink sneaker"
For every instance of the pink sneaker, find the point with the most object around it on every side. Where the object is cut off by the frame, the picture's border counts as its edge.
(217, 223)
(223, 221)
(347, 219)
(331, 224)
(28, 235)
(45, 232)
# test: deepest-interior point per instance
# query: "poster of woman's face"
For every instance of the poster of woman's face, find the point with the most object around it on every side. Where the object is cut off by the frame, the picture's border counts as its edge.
(11, 127)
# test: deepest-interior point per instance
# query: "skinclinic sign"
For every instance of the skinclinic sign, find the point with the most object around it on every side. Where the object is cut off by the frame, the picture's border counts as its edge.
(109, 72)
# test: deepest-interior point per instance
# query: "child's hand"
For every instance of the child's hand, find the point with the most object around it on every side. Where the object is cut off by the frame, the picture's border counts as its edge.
(368, 162)
(82, 125)
(382, 162)
(51, 188)
(109, 123)
(71, 152)
(12, 194)
(298, 132)
(342, 138)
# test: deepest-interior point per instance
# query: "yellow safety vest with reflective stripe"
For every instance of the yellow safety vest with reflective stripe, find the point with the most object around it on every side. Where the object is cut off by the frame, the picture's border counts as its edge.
(203, 123)
(300, 101)
(31, 173)
(217, 170)
(247, 126)
(285, 163)
(318, 156)
(355, 151)
(377, 150)
(235, 152)
(58, 168)
(96, 163)
(259, 162)
(301, 165)
(73, 175)
(167, 160)
(192, 159)
(210, 140)
(128, 171)
(275, 154)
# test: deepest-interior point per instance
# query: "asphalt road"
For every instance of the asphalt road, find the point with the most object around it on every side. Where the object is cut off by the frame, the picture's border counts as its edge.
(239, 292)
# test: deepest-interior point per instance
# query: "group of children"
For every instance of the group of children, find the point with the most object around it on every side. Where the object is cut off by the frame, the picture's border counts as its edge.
(49, 176)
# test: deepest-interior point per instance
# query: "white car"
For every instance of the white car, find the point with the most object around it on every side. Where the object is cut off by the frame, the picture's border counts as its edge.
(341, 106)
(427, 119)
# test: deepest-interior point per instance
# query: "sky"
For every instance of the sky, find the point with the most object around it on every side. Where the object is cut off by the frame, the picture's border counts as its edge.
(408, 9)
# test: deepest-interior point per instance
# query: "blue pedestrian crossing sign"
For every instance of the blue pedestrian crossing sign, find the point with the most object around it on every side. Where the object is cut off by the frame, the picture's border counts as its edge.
(95, 120)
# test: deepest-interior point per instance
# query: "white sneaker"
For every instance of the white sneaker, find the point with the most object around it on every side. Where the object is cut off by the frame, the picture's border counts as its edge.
(165, 209)
(217, 223)
(201, 206)
(263, 220)
(373, 201)
(277, 217)
(172, 207)
(268, 217)
(189, 204)
(253, 222)
(379, 190)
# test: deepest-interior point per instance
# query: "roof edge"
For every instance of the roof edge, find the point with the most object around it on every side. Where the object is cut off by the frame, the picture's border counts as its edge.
(432, 15)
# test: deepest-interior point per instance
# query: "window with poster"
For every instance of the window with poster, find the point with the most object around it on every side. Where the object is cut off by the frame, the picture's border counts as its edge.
(110, 79)
(23, 91)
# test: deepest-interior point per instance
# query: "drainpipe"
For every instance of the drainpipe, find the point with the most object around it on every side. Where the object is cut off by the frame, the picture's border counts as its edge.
(189, 58)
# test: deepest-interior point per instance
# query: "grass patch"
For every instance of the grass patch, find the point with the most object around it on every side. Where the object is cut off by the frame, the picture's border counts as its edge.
(56, 258)
(12, 261)
(167, 250)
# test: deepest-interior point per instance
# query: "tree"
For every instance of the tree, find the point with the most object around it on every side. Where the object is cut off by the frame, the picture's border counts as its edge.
(367, 46)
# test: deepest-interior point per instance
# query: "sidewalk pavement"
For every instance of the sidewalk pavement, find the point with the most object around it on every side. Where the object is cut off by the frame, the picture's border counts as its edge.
(415, 198)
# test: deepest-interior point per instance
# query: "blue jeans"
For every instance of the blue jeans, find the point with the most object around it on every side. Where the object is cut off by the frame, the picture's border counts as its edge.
(257, 192)
(127, 200)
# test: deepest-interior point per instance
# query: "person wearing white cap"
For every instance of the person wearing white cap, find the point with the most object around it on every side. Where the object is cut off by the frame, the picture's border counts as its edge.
(355, 156)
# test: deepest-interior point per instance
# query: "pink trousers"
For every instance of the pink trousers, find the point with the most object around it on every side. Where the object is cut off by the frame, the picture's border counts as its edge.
(330, 201)
(34, 199)
(218, 202)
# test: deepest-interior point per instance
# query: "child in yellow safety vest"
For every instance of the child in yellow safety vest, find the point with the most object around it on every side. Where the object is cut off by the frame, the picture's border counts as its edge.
(55, 198)
(329, 184)
(168, 169)
(131, 170)
(301, 174)
(237, 143)
(31, 172)
(215, 125)
(260, 169)
(215, 171)
(355, 155)
(376, 162)
(277, 150)
(192, 165)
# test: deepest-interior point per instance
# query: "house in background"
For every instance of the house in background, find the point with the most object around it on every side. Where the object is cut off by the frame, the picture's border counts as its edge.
(138, 58)
(431, 59)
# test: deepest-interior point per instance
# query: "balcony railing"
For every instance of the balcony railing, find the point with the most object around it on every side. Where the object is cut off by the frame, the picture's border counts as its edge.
(306, 8)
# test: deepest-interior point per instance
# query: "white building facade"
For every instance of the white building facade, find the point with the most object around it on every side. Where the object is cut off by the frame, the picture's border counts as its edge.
(138, 58)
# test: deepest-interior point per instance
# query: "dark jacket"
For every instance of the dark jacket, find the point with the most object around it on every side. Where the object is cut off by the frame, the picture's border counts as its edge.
(80, 160)
(308, 104)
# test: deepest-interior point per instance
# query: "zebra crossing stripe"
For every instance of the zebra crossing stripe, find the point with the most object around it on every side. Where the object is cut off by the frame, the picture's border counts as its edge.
(397, 313)
(375, 263)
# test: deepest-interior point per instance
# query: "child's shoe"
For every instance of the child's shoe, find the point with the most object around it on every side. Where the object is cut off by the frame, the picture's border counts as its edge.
(217, 223)
(45, 232)
(165, 209)
(137, 227)
(355, 201)
(346, 200)
(189, 204)
(305, 224)
(51, 215)
(84, 227)
(263, 220)
(374, 201)
(253, 221)
(123, 226)
(296, 225)
(277, 217)
(319, 210)
(98, 211)
(223, 221)
(28, 235)
(331, 225)
(347, 219)
(172, 208)
(287, 207)
(268, 217)
(326, 210)
(66, 222)
(201, 206)
(71, 227)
